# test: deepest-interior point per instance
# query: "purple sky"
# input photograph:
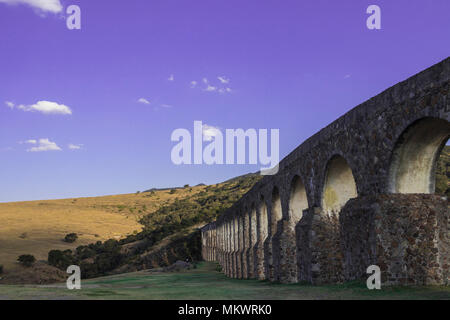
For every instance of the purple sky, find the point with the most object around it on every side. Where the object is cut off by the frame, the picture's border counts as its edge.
(292, 65)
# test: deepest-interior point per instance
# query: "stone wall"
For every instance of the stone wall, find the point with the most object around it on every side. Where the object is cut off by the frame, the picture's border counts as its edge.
(372, 148)
(407, 236)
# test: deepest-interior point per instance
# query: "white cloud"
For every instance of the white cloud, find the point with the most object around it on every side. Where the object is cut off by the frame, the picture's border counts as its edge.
(47, 107)
(53, 6)
(171, 78)
(43, 145)
(223, 80)
(74, 146)
(210, 88)
(9, 103)
(221, 88)
(166, 106)
(225, 90)
(144, 101)
(209, 132)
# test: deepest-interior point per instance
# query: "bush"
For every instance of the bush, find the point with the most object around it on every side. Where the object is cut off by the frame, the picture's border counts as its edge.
(27, 260)
(71, 238)
(60, 259)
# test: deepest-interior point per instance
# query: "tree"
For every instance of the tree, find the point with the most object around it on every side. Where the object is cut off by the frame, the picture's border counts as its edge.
(71, 238)
(27, 260)
(60, 259)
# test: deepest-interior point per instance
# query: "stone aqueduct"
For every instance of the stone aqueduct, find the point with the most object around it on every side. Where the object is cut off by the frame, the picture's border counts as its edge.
(360, 192)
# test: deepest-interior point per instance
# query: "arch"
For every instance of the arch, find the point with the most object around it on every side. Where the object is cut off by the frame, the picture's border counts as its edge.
(253, 239)
(263, 224)
(339, 186)
(413, 161)
(298, 200)
(262, 234)
(253, 226)
(276, 213)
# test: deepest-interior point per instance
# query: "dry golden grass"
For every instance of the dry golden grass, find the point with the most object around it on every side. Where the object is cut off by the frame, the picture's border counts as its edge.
(36, 227)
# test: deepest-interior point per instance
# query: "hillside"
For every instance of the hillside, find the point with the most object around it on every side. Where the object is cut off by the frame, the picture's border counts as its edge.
(129, 232)
(38, 227)
(205, 282)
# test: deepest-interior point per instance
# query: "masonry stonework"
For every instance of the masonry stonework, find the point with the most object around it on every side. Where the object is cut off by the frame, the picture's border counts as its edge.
(357, 193)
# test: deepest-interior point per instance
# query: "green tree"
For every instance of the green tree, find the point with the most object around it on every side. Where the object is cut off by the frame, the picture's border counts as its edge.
(27, 260)
(71, 238)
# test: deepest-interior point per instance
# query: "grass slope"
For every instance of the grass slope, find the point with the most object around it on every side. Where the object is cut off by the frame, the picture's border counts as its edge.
(205, 283)
(36, 227)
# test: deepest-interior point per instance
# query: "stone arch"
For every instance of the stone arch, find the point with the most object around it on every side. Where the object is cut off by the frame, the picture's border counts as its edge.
(339, 185)
(298, 200)
(253, 237)
(276, 213)
(263, 221)
(413, 161)
(262, 234)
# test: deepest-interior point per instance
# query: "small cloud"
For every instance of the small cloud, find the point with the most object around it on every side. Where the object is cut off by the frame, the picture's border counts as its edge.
(223, 80)
(75, 146)
(46, 107)
(171, 78)
(43, 145)
(144, 101)
(53, 6)
(9, 104)
(209, 132)
(225, 90)
(210, 88)
(167, 106)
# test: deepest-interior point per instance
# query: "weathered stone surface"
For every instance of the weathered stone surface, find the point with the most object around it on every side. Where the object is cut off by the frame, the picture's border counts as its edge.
(407, 236)
(386, 145)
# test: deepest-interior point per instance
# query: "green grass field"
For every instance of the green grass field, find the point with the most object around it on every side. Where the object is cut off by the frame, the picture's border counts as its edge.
(205, 283)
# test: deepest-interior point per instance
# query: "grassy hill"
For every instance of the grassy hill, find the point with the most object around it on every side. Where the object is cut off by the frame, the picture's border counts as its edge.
(128, 232)
(141, 221)
(206, 283)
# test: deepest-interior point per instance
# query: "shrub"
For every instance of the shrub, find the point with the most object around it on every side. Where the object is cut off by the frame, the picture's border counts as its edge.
(172, 191)
(60, 259)
(71, 237)
(27, 260)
